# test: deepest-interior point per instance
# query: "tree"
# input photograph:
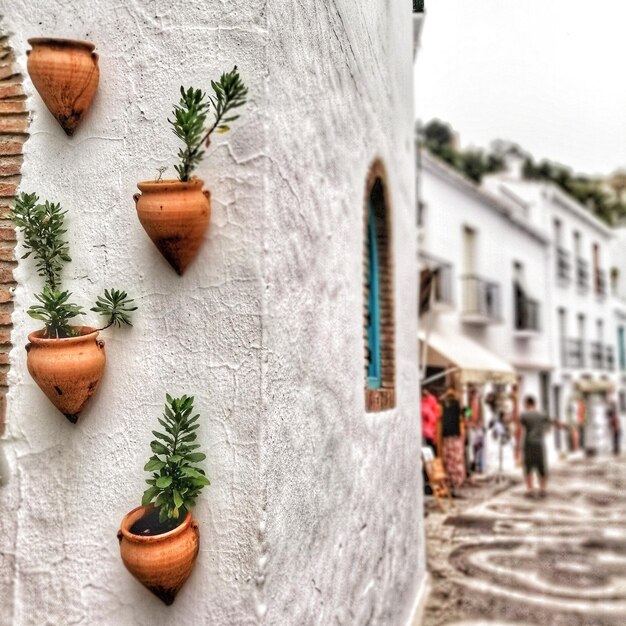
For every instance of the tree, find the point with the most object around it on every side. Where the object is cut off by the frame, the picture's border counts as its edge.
(438, 134)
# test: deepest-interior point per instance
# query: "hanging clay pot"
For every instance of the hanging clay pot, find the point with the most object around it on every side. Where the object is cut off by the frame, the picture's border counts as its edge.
(67, 370)
(65, 73)
(175, 215)
(160, 562)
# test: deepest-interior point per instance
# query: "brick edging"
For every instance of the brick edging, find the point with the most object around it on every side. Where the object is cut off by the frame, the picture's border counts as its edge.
(13, 134)
(384, 398)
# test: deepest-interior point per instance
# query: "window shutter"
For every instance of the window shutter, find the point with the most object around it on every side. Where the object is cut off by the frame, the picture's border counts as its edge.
(374, 378)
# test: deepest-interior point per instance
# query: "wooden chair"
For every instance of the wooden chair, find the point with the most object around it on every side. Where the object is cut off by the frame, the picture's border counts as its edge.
(436, 477)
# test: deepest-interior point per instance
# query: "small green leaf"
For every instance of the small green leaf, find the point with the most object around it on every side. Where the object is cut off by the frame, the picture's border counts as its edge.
(158, 448)
(190, 472)
(163, 437)
(148, 494)
(178, 500)
(164, 482)
(195, 457)
(154, 465)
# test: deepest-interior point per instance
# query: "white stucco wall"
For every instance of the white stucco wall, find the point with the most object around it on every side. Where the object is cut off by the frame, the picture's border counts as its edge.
(314, 515)
(339, 517)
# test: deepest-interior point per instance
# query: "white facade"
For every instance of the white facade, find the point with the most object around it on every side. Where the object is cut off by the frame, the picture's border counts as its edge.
(617, 275)
(503, 248)
(583, 319)
(564, 258)
(314, 515)
(502, 238)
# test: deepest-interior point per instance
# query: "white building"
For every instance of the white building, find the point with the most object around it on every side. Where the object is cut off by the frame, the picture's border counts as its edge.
(582, 314)
(617, 275)
(489, 320)
(314, 515)
(523, 271)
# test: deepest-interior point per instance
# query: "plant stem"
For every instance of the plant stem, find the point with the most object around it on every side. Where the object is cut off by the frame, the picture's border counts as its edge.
(105, 327)
(205, 141)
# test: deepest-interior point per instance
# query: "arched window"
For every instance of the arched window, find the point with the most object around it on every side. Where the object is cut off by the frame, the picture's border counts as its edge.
(378, 300)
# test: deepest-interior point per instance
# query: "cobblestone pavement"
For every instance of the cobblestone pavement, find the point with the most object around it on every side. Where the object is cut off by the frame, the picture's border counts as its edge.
(554, 562)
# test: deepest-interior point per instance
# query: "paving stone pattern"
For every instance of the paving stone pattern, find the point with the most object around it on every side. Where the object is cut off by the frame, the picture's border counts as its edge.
(555, 562)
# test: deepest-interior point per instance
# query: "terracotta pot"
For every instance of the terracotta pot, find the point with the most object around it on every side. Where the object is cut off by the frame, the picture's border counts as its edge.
(162, 563)
(67, 370)
(65, 73)
(175, 215)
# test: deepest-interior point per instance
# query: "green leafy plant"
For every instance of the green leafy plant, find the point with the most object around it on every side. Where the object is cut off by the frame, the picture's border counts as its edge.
(176, 477)
(55, 311)
(439, 139)
(191, 113)
(43, 227)
(115, 305)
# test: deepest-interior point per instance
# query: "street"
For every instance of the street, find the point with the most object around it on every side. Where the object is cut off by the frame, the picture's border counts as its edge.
(512, 560)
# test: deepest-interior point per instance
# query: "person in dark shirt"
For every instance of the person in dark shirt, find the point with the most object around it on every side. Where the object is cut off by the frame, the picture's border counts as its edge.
(534, 425)
(452, 438)
(614, 425)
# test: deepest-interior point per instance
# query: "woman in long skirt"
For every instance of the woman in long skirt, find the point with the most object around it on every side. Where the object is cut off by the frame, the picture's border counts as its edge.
(453, 451)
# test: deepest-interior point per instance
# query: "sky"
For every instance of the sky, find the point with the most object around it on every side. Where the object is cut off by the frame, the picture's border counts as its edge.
(549, 75)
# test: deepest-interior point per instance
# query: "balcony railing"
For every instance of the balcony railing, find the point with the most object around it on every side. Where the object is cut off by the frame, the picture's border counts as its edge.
(609, 358)
(573, 353)
(600, 282)
(481, 300)
(526, 314)
(582, 274)
(596, 355)
(418, 6)
(563, 265)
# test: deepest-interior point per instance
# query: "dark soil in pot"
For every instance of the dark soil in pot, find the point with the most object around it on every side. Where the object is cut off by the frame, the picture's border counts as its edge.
(149, 525)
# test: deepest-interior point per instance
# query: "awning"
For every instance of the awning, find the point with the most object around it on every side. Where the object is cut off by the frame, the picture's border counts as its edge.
(586, 385)
(477, 365)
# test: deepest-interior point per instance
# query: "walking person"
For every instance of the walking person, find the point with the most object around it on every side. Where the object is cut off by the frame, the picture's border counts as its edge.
(614, 426)
(452, 438)
(581, 420)
(532, 427)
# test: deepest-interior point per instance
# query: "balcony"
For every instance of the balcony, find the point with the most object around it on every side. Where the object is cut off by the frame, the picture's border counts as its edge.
(582, 274)
(609, 358)
(600, 283)
(526, 310)
(481, 301)
(573, 353)
(563, 265)
(596, 355)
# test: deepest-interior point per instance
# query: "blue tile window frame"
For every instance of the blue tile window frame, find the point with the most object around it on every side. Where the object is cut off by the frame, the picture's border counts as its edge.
(374, 366)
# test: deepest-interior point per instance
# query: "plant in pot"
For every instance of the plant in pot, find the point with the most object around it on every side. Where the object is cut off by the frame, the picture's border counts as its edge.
(176, 213)
(159, 540)
(65, 360)
(65, 73)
